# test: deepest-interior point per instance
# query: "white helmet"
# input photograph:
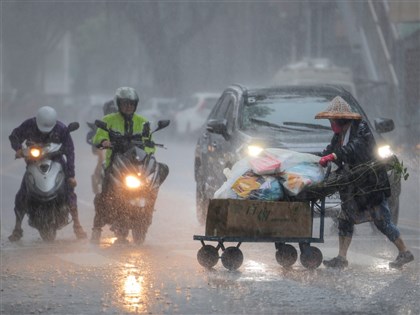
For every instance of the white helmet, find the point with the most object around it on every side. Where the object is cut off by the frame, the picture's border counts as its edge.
(46, 119)
(128, 94)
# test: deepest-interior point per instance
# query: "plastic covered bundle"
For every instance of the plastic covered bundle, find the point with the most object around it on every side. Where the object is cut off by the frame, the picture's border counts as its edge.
(300, 176)
(245, 184)
(238, 169)
(289, 158)
(291, 170)
(258, 187)
(298, 170)
(270, 190)
(264, 164)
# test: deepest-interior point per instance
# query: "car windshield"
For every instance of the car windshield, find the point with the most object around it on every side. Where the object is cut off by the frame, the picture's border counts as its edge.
(285, 112)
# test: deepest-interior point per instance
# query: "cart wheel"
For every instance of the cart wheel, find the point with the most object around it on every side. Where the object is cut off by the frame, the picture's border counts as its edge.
(286, 255)
(208, 256)
(232, 258)
(311, 257)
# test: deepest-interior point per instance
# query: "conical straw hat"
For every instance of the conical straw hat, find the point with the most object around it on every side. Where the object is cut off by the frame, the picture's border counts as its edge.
(338, 109)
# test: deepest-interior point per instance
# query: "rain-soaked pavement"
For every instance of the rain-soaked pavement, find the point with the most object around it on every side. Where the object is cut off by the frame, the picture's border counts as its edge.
(163, 275)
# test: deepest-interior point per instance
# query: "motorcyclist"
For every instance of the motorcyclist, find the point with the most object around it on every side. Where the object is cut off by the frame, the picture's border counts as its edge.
(127, 122)
(43, 128)
(109, 107)
(352, 145)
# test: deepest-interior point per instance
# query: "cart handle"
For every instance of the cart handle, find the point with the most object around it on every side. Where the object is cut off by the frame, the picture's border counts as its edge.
(328, 171)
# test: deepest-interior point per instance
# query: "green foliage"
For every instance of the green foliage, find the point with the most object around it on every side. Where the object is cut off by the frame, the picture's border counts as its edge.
(399, 169)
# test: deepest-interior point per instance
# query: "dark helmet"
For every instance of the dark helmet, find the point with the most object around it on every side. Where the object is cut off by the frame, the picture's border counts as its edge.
(109, 107)
(126, 94)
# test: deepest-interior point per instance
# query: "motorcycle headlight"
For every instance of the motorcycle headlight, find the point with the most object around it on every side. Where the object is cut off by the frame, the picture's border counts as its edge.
(254, 150)
(132, 182)
(385, 152)
(35, 152)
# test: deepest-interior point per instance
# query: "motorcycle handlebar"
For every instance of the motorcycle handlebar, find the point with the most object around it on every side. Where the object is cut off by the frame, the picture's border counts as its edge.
(115, 134)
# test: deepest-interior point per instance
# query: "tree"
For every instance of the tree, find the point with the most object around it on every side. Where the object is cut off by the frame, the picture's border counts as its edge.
(164, 28)
(30, 30)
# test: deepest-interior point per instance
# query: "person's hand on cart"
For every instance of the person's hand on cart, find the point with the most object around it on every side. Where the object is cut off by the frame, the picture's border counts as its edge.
(328, 158)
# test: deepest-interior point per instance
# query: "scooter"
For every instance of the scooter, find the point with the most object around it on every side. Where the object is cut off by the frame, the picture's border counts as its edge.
(47, 203)
(134, 177)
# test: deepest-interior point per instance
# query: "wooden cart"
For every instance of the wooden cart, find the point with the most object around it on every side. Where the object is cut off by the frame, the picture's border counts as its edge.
(278, 222)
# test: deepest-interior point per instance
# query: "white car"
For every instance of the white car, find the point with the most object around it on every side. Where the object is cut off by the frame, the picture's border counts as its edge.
(194, 113)
(157, 108)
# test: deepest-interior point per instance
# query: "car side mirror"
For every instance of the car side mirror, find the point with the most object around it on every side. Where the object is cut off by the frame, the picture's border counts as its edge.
(73, 126)
(219, 127)
(383, 125)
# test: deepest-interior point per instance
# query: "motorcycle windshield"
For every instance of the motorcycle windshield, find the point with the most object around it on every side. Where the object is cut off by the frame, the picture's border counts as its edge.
(139, 154)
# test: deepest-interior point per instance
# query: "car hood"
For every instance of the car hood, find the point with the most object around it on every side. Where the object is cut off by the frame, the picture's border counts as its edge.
(308, 142)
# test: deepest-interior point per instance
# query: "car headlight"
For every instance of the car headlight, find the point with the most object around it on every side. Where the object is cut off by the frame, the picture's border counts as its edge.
(132, 182)
(385, 152)
(254, 150)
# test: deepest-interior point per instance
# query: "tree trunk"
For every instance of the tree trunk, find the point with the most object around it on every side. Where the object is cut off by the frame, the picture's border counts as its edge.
(166, 70)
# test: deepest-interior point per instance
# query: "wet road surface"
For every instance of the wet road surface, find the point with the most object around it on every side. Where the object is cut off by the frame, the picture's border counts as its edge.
(163, 275)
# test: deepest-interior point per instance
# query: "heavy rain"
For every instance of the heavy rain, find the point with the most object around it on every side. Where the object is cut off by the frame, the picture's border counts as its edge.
(180, 57)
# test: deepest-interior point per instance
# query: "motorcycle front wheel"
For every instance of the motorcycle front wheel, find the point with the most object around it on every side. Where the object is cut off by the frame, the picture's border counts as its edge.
(139, 235)
(139, 230)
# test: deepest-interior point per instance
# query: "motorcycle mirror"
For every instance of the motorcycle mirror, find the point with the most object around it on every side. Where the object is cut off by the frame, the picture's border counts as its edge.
(162, 124)
(100, 124)
(73, 126)
(91, 125)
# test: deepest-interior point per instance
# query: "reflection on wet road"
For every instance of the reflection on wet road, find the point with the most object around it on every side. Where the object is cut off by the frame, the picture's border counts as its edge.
(163, 275)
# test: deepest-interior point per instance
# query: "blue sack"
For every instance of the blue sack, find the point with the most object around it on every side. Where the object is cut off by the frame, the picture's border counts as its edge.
(270, 190)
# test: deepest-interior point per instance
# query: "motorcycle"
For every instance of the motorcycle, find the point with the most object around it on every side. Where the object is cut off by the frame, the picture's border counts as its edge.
(134, 177)
(47, 204)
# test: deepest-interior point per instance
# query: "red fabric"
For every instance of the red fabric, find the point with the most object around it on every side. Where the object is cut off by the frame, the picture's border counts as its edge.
(325, 159)
(335, 126)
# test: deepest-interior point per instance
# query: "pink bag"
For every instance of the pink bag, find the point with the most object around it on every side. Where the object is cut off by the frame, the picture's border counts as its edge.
(265, 164)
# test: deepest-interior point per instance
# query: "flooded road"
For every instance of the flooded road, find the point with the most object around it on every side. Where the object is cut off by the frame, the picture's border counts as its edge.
(162, 276)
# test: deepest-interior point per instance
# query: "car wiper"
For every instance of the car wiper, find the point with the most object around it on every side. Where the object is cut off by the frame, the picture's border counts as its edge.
(313, 126)
(269, 124)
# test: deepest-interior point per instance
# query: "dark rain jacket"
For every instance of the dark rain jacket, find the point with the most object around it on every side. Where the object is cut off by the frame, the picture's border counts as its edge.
(28, 130)
(360, 149)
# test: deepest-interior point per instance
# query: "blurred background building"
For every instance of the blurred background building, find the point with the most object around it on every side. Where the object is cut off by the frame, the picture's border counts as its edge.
(74, 54)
